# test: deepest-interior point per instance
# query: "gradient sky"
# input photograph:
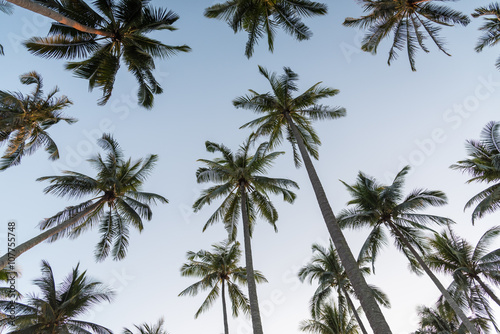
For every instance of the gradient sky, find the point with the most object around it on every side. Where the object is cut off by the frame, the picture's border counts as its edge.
(395, 117)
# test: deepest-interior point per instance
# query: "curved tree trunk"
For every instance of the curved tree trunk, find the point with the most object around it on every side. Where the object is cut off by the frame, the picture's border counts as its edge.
(353, 309)
(252, 288)
(14, 254)
(224, 308)
(434, 279)
(487, 289)
(42, 10)
(363, 292)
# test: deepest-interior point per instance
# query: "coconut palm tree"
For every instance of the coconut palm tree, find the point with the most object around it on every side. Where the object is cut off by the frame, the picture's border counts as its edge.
(58, 306)
(263, 17)
(122, 27)
(381, 207)
(331, 319)
(326, 268)
(6, 8)
(24, 120)
(291, 117)
(483, 165)
(117, 202)
(219, 271)
(438, 321)
(491, 27)
(411, 22)
(470, 267)
(240, 181)
(145, 328)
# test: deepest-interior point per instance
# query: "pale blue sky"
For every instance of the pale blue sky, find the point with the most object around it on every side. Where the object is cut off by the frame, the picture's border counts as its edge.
(394, 117)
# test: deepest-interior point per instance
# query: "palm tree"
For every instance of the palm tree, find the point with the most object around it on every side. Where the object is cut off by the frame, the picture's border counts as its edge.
(483, 165)
(411, 22)
(145, 328)
(326, 268)
(438, 321)
(219, 271)
(291, 118)
(6, 8)
(491, 27)
(239, 180)
(469, 266)
(332, 319)
(55, 310)
(378, 206)
(263, 17)
(24, 120)
(123, 26)
(117, 202)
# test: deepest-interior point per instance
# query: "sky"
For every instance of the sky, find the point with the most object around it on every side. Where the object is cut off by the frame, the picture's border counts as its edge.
(395, 117)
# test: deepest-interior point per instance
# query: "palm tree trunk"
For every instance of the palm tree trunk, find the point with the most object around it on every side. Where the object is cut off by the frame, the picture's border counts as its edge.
(363, 292)
(487, 289)
(434, 279)
(224, 308)
(5, 259)
(42, 10)
(353, 309)
(252, 288)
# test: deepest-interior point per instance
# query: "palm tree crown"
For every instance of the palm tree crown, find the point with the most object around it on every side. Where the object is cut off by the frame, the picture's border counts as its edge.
(124, 25)
(145, 328)
(263, 17)
(331, 319)
(411, 21)
(491, 27)
(276, 107)
(55, 310)
(483, 165)
(24, 120)
(117, 201)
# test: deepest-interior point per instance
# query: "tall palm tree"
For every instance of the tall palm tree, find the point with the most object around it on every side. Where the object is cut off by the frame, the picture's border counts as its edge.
(382, 207)
(331, 319)
(24, 120)
(240, 180)
(123, 26)
(491, 27)
(263, 17)
(411, 22)
(470, 267)
(55, 310)
(145, 328)
(326, 268)
(117, 202)
(219, 270)
(5, 7)
(483, 165)
(291, 118)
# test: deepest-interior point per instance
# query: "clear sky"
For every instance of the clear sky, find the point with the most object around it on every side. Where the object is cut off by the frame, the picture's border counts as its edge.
(394, 117)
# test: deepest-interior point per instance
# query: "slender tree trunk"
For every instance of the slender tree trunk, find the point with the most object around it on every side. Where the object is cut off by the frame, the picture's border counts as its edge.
(224, 308)
(353, 309)
(487, 289)
(434, 279)
(252, 288)
(42, 10)
(363, 292)
(14, 254)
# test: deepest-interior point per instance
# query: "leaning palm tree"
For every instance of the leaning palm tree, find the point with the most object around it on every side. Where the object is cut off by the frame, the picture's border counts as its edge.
(259, 18)
(240, 180)
(5, 7)
(411, 22)
(483, 165)
(122, 27)
(145, 328)
(291, 118)
(55, 310)
(219, 270)
(326, 268)
(331, 319)
(381, 207)
(491, 27)
(117, 202)
(24, 120)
